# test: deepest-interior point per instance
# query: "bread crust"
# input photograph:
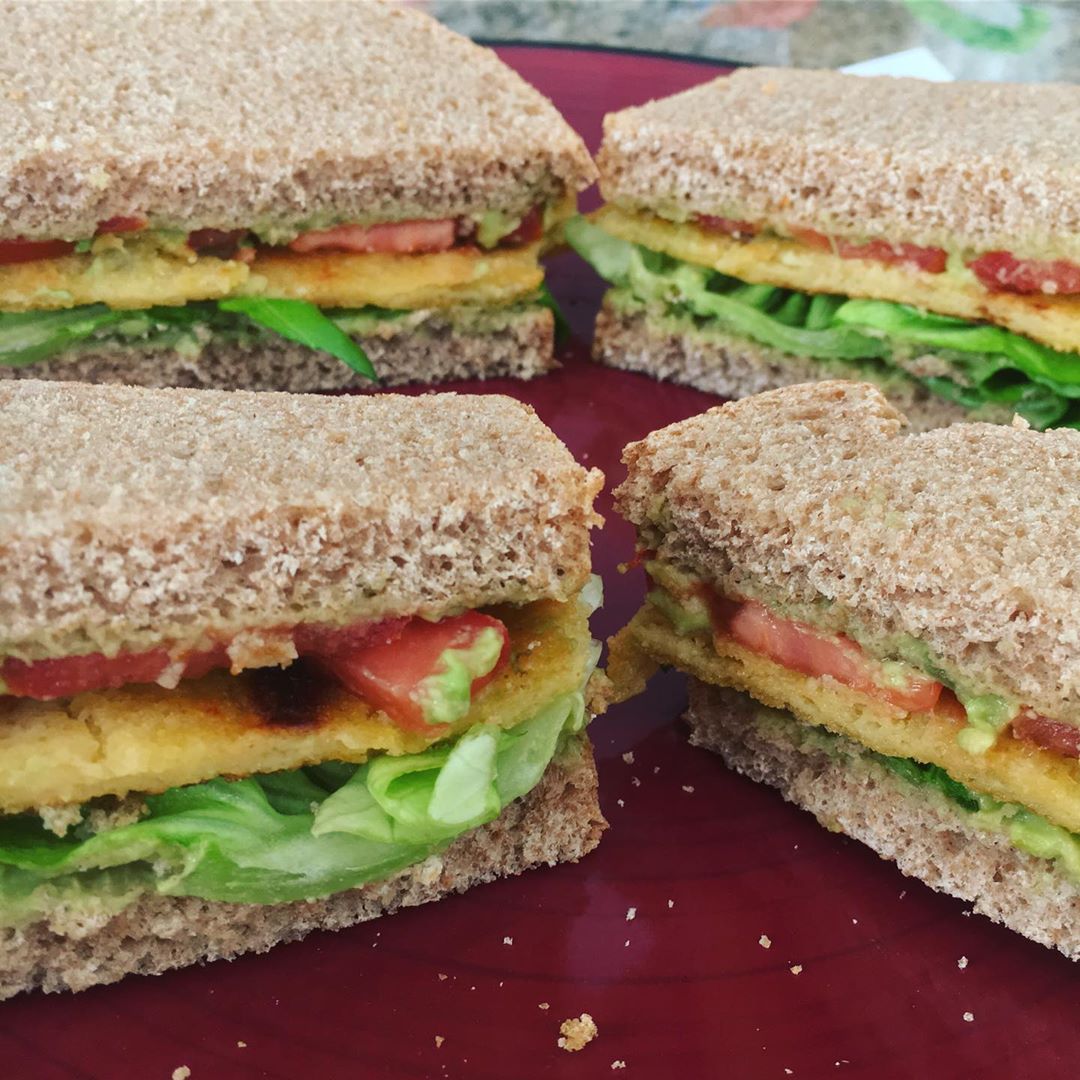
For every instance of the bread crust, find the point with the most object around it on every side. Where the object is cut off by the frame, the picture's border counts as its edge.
(961, 537)
(919, 830)
(558, 821)
(368, 112)
(132, 517)
(732, 367)
(958, 165)
(518, 344)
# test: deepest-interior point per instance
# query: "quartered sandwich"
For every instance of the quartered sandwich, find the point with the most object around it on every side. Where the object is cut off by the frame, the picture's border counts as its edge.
(274, 663)
(780, 226)
(884, 626)
(290, 196)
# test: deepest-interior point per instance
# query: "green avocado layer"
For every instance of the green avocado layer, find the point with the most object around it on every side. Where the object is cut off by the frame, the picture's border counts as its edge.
(284, 836)
(990, 366)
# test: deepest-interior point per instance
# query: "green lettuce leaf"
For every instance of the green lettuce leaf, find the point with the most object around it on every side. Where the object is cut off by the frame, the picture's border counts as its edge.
(304, 323)
(286, 836)
(993, 366)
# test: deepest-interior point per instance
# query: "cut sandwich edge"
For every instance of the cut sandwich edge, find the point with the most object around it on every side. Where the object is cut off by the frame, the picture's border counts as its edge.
(917, 830)
(559, 821)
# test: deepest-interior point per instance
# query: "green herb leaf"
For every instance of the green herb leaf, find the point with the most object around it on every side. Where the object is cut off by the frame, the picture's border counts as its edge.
(303, 323)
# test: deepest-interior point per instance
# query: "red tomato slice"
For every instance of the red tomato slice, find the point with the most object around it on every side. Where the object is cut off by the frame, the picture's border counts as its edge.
(317, 639)
(399, 237)
(1050, 734)
(999, 271)
(801, 648)
(529, 231)
(122, 225)
(46, 679)
(20, 251)
(216, 242)
(388, 674)
(932, 260)
(740, 230)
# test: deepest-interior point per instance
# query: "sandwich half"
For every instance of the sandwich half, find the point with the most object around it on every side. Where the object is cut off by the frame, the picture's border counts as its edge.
(779, 226)
(272, 663)
(903, 611)
(290, 196)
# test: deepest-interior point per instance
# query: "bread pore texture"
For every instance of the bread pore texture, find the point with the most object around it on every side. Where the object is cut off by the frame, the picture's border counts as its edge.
(955, 165)
(359, 112)
(961, 538)
(131, 518)
(928, 837)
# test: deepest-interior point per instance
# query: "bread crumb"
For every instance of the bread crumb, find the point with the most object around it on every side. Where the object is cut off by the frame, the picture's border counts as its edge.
(618, 1064)
(439, 1040)
(628, 757)
(789, 1072)
(544, 1005)
(688, 788)
(1019, 422)
(969, 1017)
(576, 1033)
(764, 941)
(655, 769)
(635, 781)
(962, 963)
(442, 977)
(508, 941)
(626, 944)
(241, 1044)
(181, 1072)
(796, 969)
(620, 802)
(670, 904)
(631, 914)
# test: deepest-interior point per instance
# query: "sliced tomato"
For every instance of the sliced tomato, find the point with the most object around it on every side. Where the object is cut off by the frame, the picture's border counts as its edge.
(528, 231)
(999, 271)
(122, 225)
(802, 648)
(216, 242)
(47, 679)
(389, 674)
(399, 237)
(318, 639)
(932, 260)
(740, 230)
(1050, 734)
(21, 251)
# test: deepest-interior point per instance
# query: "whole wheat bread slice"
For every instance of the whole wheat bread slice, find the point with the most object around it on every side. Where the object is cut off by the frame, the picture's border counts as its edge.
(927, 837)
(961, 165)
(231, 115)
(962, 537)
(131, 518)
(733, 367)
(558, 821)
(518, 344)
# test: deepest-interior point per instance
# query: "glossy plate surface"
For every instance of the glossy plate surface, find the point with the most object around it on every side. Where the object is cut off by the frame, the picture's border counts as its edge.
(659, 935)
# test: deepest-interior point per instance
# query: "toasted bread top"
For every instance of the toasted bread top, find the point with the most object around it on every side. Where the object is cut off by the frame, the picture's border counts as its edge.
(960, 165)
(131, 518)
(273, 114)
(962, 537)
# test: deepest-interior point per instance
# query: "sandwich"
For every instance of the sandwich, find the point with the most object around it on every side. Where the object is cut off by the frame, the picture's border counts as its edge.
(266, 670)
(276, 195)
(780, 226)
(882, 625)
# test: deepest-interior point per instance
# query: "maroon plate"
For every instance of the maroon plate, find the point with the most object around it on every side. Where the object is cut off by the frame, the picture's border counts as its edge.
(660, 934)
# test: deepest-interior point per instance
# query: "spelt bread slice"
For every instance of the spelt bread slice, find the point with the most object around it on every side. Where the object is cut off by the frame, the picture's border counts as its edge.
(133, 517)
(232, 115)
(558, 821)
(429, 349)
(926, 836)
(962, 537)
(959, 165)
(677, 349)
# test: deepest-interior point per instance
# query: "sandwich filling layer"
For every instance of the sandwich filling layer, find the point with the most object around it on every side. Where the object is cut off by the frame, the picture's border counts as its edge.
(196, 792)
(978, 350)
(892, 699)
(135, 287)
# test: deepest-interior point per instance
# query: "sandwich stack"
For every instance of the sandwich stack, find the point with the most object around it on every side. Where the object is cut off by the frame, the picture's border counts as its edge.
(264, 670)
(778, 226)
(271, 196)
(882, 625)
